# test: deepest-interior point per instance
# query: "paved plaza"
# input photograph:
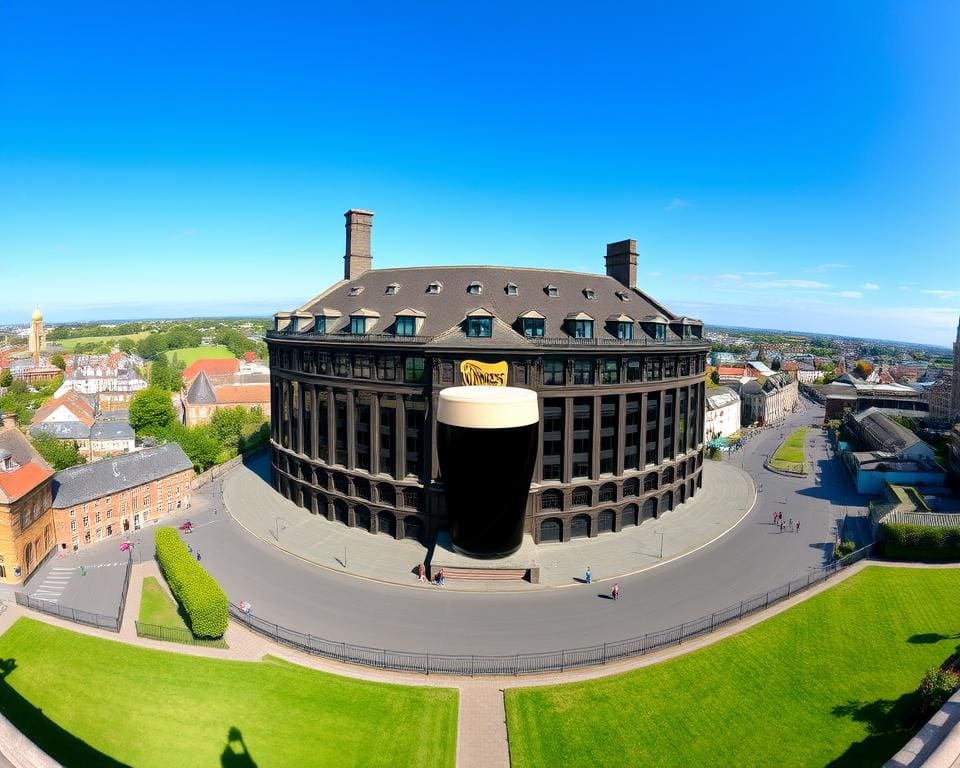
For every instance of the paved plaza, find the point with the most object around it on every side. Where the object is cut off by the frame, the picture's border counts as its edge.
(728, 496)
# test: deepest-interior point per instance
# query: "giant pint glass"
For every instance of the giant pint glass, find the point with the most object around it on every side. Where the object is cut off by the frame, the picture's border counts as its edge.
(487, 440)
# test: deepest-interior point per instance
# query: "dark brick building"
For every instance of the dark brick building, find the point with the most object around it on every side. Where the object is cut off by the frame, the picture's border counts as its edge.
(355, 374)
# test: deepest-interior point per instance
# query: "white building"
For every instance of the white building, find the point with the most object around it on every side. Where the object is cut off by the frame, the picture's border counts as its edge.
(103, 373)
(722, 415)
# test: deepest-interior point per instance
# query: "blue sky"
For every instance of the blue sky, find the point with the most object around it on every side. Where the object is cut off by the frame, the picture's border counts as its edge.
(785, 167)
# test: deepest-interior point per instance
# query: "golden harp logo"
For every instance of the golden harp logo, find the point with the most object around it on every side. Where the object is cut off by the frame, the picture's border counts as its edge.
(477, 374)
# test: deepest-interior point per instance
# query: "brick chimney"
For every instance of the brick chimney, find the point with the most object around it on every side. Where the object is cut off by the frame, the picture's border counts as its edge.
(358, 258)
(622, 262)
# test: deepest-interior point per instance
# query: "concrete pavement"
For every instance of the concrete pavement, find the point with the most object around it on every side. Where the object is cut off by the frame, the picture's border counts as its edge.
(255, 506)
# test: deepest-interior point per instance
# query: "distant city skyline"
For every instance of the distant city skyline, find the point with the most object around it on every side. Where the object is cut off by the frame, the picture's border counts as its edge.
(778, 167)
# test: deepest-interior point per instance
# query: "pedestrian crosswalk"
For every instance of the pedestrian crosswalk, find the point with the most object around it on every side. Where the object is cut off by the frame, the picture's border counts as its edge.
(51, 588)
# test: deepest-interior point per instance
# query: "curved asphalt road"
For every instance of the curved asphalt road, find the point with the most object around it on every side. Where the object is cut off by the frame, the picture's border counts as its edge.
(750, 560)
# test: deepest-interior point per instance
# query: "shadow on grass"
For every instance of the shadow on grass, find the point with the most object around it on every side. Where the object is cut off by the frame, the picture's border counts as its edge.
(235, 754)
(890, 724)
(930, 637)
(62, 746)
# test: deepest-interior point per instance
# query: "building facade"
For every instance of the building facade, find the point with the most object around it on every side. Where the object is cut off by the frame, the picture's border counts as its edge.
(26, 523)
(722, 415)
(356, 372)
(113, 498)
(203, 399)
(768, 399)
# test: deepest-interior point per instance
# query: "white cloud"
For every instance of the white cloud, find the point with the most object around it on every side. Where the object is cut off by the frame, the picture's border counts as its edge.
(827, 267)
(942, 294)
(906, 288)
(758, 274)
(870, 287)
(849, 294)
(676, 204)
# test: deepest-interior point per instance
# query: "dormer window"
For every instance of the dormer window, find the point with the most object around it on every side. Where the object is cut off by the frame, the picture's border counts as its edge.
(552, 291)
(355, 290)
(435, 287)
(583, 329)
(533, 327)
(406, 326)
(480, 327)
(363, 320)
(321, 324)
(391, 290)
(589, 294)
(660, 331)
(475, 288)
(691, 331)
(623, 296)
(625, 331)
(510, 289)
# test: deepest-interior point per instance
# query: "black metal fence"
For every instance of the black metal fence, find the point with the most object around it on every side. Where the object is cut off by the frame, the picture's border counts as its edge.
(175, 635)
(77, 616)
(549, 661)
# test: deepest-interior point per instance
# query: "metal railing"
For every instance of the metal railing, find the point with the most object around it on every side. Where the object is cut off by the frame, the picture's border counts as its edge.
(90, 619)
(549, 661)
(175, 635)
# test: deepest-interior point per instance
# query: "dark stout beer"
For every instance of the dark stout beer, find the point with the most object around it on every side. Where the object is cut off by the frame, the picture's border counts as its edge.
(487, 441)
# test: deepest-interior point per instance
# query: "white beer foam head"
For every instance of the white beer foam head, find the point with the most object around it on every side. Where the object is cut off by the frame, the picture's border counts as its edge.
(487, 407)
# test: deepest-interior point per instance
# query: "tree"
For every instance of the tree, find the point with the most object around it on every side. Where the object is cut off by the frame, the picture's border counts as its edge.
(151, 410)
(58, 361)
(227, 425)
(127, 345)
(862, 368)
(6, 379)
(775, 365)
(59, 454)
(715, 377)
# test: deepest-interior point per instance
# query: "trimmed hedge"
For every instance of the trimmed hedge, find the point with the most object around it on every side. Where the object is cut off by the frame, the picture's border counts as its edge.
(906, 541)
(204, 602)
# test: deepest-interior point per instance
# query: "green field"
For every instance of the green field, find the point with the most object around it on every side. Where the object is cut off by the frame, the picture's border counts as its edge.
(789, 456)
(93, 702)
(70, 344)
(829, 682)
(190, 355)
(157, 607)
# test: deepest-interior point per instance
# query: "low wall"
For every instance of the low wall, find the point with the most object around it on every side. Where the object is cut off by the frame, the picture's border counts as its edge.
(221, 469)
(20, 751)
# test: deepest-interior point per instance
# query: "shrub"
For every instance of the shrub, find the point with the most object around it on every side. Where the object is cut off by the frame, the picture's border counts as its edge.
(937, 686)
(844, 548)
(907, 541)
(196, 590)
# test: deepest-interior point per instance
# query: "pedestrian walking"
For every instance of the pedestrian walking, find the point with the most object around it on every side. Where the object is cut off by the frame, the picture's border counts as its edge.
(798, 526)
(791, 522)
(588, 576)
(781, 526)
(615, 592)
(422, 572)
(198, 555)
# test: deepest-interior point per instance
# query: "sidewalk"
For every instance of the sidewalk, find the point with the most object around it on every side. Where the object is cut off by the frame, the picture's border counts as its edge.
(265, 514)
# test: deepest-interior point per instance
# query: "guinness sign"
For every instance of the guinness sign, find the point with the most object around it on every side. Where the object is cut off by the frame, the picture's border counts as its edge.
(477, 374)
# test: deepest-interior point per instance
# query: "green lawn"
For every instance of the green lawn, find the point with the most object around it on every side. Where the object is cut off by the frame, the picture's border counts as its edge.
(190, 355)
(70, 344)
(789, 455)
(826, 683)
(93, 702)
(157, 607)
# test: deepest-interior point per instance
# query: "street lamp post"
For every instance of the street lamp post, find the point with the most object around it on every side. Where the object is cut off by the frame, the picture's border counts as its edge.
(660, 534)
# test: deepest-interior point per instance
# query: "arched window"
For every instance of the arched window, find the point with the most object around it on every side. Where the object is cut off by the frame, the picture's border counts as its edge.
(608, 492)
(667, 501)
(580, 527)
(321, 505)
(682, 494)
(387, 523)
(631, 487)
(321, 481)
(386, 495)
(28, 556)
(341, 512)
(629, 516)
(341, 483)
(551, 500)
(48, 536)
(551, 529)
(413, 528)
(649, 509)
(412, 498)
(650, 482)
(668, 476)
(605, 521)
(361, 488)
(361, 517)
(581, 497)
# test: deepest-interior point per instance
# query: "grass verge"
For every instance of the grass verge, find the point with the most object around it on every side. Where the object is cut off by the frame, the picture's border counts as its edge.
(65, 690)
(829, 682)
(189, 355)
(789, 455)
(165, 618)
